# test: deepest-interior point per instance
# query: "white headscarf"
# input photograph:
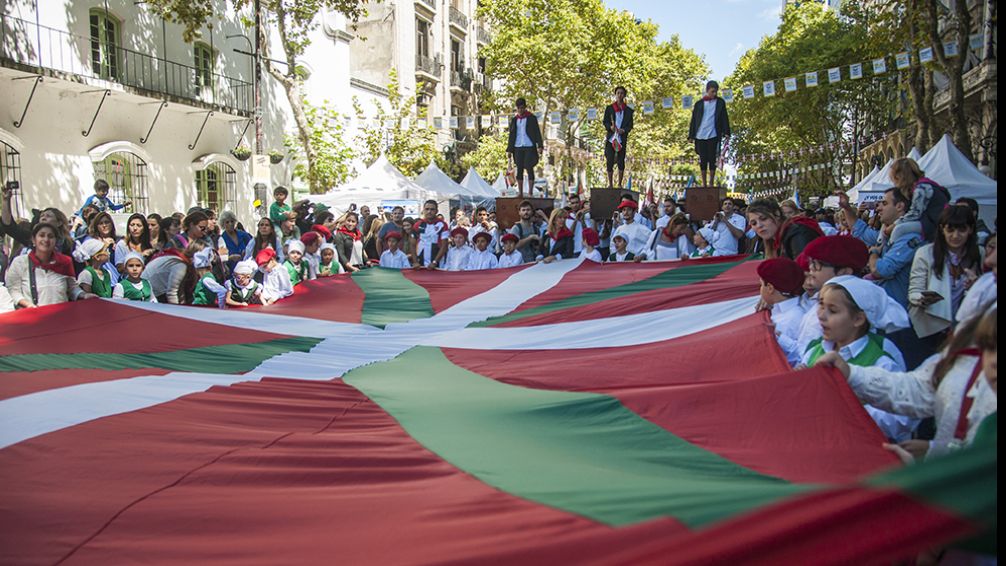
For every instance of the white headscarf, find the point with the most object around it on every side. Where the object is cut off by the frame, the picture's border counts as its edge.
(295, 246)
(88, 249)
(883, 312)
(133, 255)
(203, 258)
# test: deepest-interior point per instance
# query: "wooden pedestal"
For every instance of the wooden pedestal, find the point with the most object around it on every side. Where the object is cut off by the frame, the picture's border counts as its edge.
(603, 202)
(702, 203)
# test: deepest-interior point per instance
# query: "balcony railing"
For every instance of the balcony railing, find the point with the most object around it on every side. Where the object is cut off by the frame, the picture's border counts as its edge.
(428, 65)
(462, 79)
(459, 19)
(482, 35)
(29, 46)
(431, 4)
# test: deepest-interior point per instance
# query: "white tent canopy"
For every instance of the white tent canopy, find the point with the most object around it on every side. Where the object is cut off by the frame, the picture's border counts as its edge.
(381, 181)
(499, 185)
(946, 165)
(477, 185)
(853, 193)
(433, 179)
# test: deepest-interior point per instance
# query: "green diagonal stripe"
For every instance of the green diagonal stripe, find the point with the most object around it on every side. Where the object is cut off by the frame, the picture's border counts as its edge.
(581, 452)
(390, 297)
(228, 358)
(664, 280)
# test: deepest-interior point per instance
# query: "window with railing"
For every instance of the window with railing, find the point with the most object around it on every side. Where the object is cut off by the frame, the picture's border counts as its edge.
(205, 61)
(10, 170)
(105, 39)
(216, 186)
(126, 174)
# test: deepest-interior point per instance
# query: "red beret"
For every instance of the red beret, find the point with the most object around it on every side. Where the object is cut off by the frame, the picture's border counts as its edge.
(628, 204)
(590, 236)
(265, 256)
(485, 235)
(393, 234)
(782, 273)
(325, 232)
(310, 238)
(839, 251)
(508, 237)
(459, 230)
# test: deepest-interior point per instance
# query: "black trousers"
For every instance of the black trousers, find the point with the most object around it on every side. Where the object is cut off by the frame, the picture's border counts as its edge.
(709, 152)
(612, 158)
(525, 158)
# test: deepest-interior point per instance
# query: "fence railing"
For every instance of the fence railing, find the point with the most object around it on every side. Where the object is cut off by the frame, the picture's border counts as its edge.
(431, 4)
(428, 65)
(459, 18)
(28, 44)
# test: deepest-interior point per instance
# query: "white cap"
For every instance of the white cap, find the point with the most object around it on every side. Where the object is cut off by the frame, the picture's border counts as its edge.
(883, 312)
(326, 246)
(708, 234)
(246, 267)
(88, 249)
(133, 255)
(203, 258)
(295, 246)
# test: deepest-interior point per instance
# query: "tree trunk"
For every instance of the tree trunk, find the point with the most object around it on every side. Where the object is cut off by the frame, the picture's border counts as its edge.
(295, 96)
(953, 67)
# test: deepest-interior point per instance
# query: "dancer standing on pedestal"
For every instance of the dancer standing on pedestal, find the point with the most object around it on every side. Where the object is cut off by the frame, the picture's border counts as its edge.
(618, 124)
(525, 145)
(709, 126)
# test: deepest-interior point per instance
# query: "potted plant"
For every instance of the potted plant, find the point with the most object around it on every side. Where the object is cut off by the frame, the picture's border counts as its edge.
(242, 152)
(276, 156)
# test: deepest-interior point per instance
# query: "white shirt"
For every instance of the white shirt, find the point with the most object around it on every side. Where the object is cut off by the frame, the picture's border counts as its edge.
(521, 139)
(655, 250)
(707, 127)
(636, 235)
(618, 124)
(726, 243)
(662, 222)
(786, 316)
(456, 258)
(313, 262)
(478, 229)
(913, 394)
(592, 255)
(395, 260)
(982, 293)
(277, 284)
(481, 260)
(810, 327)
(511, 260)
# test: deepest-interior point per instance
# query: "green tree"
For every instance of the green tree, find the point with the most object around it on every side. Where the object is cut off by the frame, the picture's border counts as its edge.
(398, 131)
(489, 157)
(293, 21)
(834, 114)
(333, 155)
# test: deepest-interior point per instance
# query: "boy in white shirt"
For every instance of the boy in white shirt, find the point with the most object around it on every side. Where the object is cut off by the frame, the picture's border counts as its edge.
(781, 287)
(457, 255)
(636, 235)
(392, 257)
(482, 257)
(510, 257)
(277, 283)
(729, 227)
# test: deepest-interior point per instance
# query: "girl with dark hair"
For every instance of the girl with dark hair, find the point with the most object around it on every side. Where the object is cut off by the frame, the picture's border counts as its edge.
(195, 227)
(137, 240)
(51, 216)
(942, 272)
(781, 236)
(43, 276)
(349, 243)
(170, 227)
(265, 237)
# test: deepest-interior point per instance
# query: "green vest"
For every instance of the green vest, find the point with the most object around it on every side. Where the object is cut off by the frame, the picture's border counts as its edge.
(133, 294)
(202, 295)
(245, 295)
(873, 351)
(332, 267)
(99, 286)
(297, 274)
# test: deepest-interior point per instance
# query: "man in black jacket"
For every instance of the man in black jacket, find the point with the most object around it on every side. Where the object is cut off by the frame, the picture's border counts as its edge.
(525, 144)
(618, 124)
(708, 127)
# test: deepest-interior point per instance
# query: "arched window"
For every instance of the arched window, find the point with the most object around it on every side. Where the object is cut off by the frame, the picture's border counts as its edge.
(216, 186)
(106, 33)
(10, 171)
(126, 174)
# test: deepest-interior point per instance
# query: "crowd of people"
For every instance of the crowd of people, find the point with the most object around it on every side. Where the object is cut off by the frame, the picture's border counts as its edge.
(901, 297)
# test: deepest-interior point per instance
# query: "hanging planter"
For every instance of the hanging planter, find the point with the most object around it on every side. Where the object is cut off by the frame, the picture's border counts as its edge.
(276, 157)
(242, 153)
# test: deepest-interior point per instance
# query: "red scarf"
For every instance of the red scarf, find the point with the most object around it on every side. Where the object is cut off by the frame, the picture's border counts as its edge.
(522, 115)
(617, 107)
(564, 232)
(355, 234)
(58, 263)
(802, 220)
(707, 98)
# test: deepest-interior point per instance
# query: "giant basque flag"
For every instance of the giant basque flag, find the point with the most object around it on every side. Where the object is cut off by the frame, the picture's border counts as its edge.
(569, 413)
